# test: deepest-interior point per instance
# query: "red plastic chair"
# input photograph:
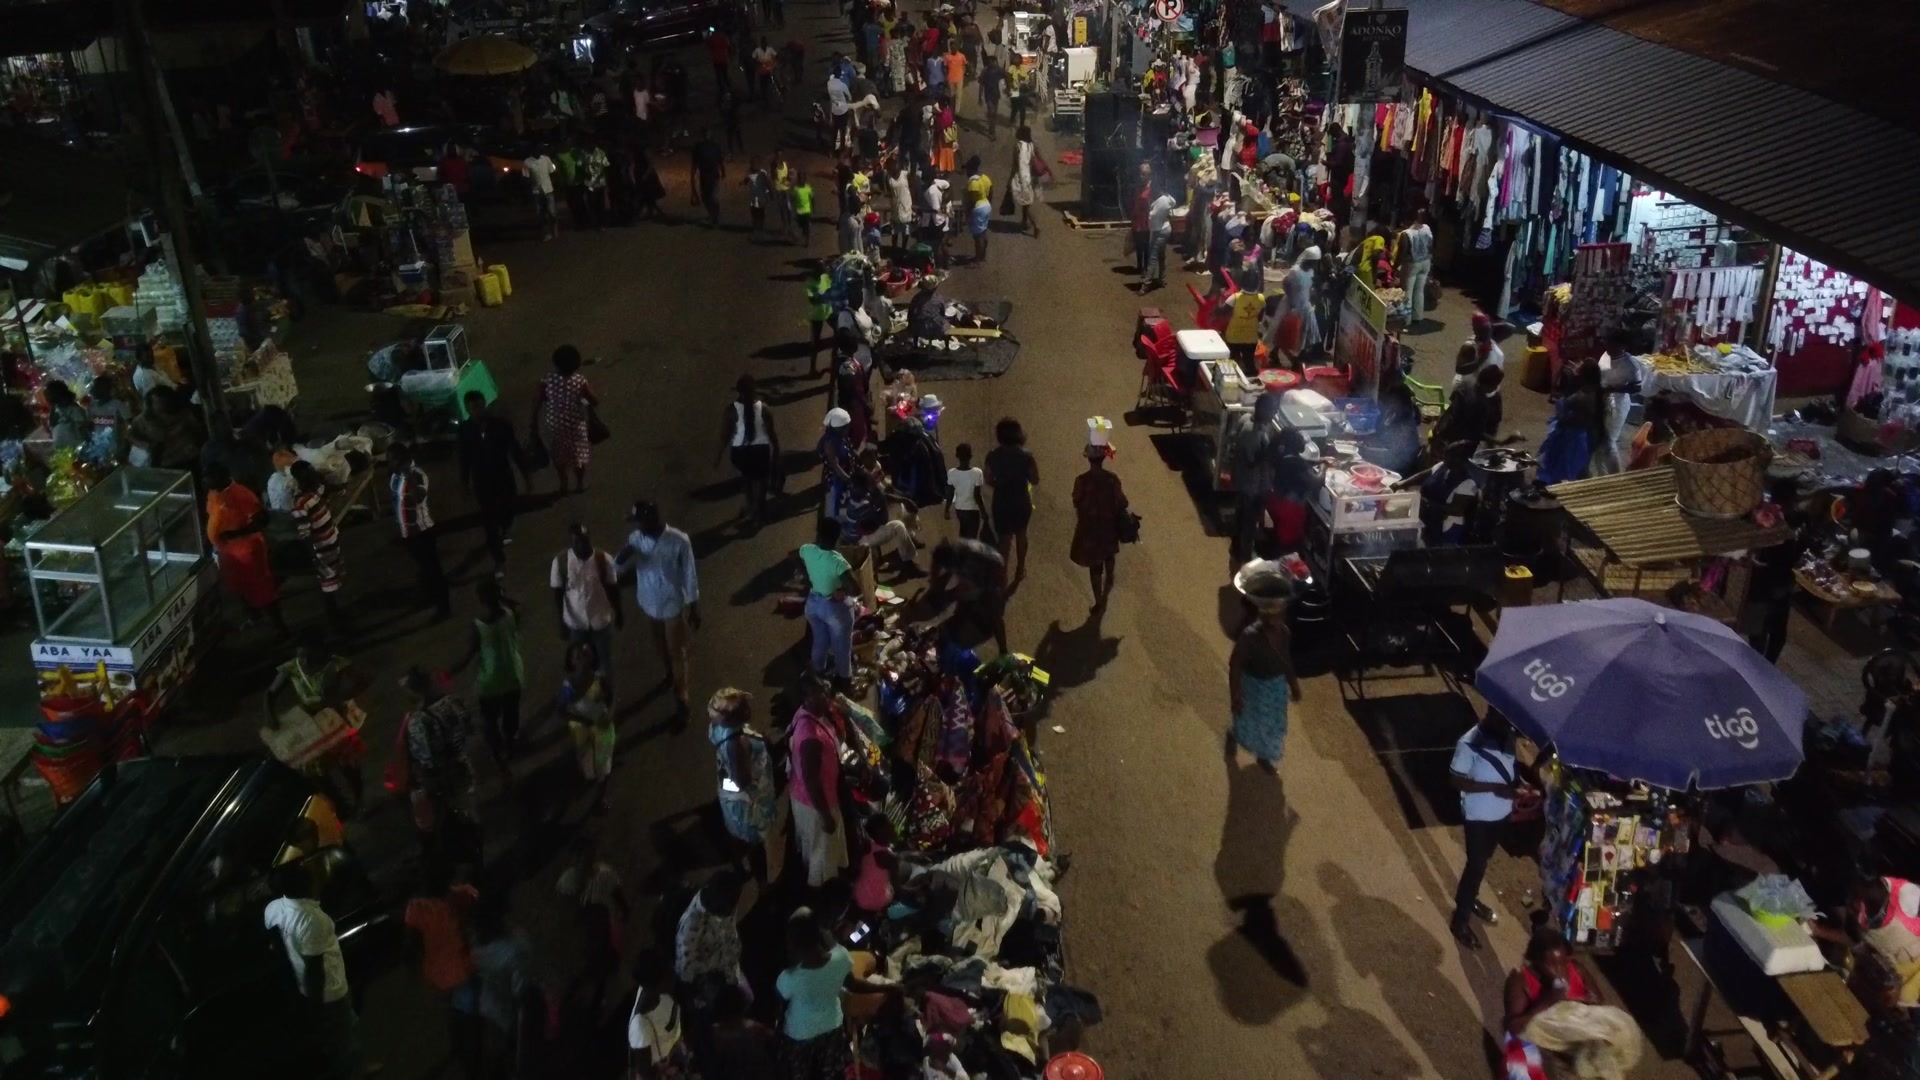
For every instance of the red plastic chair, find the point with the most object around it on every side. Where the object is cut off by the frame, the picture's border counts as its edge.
(1211, 312)
(1160, 382)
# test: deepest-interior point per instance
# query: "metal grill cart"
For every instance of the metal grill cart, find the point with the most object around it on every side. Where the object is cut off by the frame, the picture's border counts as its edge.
(1627, 536)
(117, 579)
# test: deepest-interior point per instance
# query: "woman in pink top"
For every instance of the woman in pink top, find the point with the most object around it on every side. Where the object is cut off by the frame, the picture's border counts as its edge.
(815, 790)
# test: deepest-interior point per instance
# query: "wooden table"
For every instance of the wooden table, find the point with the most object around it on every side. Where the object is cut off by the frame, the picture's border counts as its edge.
(1883, 596)
(1832, 1012)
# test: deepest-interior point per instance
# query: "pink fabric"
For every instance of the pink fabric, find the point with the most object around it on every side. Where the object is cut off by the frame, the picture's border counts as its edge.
(808, 728)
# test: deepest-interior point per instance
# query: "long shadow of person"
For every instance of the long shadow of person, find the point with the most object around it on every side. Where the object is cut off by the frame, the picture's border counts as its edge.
(1257, 972)
(1381, 940)
(1071, 657)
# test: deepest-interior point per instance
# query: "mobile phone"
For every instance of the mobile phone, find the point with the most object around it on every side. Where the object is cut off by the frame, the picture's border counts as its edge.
(727, 785)
(858, 933)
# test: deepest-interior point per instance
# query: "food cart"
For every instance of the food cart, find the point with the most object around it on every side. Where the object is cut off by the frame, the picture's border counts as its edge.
(450, 374)
(120, 583)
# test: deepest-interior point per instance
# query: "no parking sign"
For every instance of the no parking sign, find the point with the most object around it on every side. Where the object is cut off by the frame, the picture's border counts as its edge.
(1168, 10)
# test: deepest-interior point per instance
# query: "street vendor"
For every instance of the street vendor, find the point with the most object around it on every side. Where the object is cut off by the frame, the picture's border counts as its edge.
(388, 363)
(1884, 915)
(929, 316)
(319, 680)
(1448, 496)
(969, 577)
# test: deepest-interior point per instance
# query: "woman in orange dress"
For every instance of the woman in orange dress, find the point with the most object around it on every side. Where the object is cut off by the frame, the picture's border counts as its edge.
(234, 520)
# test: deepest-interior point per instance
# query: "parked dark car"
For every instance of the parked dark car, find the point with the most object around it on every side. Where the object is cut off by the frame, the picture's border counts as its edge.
(639, 24)
(132, 936)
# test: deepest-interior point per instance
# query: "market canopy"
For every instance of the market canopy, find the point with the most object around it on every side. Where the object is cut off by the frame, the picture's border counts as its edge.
(53, 198)
(1824, 178)
(487, 54)
(1645, 693)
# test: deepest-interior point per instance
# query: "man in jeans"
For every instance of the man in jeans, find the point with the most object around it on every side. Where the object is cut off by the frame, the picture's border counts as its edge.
(666, 585)
(1483, 773)
(589, 605)
(1416, 251)
(829, 618)
(1159, 234)
(409, 486)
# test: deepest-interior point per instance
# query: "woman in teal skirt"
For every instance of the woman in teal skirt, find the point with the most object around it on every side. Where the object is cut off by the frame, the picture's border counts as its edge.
(1261, 683)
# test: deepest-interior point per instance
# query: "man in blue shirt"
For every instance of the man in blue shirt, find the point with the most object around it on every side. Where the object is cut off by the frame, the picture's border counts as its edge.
(1484, 774)
(666, 584)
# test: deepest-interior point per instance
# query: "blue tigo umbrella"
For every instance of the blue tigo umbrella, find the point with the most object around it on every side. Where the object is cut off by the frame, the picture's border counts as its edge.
(1644, 692)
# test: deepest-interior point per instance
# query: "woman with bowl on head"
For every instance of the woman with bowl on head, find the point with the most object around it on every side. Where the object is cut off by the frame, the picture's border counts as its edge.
(1261, 682)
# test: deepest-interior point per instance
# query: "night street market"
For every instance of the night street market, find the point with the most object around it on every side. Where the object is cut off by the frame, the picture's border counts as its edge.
(1508, 424)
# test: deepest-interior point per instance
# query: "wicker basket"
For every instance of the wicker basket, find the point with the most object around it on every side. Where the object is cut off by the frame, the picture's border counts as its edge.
(1717, 489)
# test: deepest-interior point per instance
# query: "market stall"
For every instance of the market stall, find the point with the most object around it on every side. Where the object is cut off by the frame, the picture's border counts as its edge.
(1627, 536)
(121, 587)
(1731, 382)
(1640, 713)
(938, 745)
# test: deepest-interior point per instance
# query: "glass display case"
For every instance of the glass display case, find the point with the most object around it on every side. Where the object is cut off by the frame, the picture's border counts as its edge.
(116, 579)
(449, 375)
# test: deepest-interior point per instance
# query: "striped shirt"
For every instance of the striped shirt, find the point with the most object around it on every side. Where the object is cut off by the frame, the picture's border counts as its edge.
(314, 523)
(410, 502)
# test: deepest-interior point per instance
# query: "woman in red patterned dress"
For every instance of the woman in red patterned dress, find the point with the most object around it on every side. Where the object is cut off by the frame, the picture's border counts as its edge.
(560, 413)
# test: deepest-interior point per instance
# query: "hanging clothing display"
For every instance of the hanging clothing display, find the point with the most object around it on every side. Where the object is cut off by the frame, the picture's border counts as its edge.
(1715, 298)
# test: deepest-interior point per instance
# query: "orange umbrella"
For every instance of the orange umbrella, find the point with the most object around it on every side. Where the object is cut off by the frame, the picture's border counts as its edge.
(487, 54)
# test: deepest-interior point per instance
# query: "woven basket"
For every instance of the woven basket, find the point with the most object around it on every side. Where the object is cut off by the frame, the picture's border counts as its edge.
(1714, 489)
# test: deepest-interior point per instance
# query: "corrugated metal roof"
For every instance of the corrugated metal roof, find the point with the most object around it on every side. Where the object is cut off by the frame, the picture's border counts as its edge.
(1821, 177)
(1446, 34)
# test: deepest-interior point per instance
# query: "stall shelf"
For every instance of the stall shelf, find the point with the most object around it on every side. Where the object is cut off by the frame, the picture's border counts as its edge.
(1628, 537)
(117, 580)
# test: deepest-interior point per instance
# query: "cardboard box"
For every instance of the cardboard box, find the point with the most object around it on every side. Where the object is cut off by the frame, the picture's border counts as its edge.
(458, 275)
(457, 248)
(462, 295)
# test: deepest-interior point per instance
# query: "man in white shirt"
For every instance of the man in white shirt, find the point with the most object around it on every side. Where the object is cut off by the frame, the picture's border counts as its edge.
(1159, 234)
(1484, 773)
(1620, 377)
(933, 218)
(313, 949)
(538, 170)
(765, 58)
(666, 585)
(840, 104)
(1486, 352)
(586, 596)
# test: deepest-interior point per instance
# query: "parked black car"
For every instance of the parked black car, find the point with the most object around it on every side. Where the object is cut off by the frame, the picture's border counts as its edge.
(639, 24)
(132, 936)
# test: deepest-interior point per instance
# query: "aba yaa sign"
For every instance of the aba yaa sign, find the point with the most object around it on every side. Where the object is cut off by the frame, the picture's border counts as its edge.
(52, 654)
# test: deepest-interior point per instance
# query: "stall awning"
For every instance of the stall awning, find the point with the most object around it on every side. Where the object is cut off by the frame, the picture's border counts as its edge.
(53, 197)
(1822, 177)
(1635, 516)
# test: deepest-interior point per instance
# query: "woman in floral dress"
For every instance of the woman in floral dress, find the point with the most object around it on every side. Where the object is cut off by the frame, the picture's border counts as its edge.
(560, 411)
(897, 63)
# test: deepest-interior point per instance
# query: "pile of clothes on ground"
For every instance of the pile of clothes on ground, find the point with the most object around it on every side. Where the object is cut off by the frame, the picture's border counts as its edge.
(970, 924)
